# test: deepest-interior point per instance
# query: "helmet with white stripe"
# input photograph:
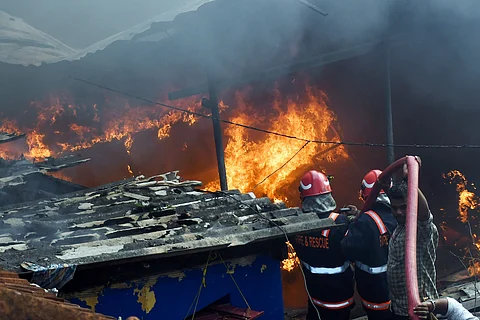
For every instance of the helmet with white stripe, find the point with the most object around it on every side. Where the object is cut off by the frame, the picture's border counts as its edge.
(369, 181)
(314, 183)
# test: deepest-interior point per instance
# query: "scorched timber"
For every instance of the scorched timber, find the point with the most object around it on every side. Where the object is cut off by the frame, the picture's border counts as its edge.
(9, 137)
(144, 218)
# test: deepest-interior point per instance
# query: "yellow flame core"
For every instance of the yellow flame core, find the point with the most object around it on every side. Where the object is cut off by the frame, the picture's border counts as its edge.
(467, 201)
(250, 156)
(45, 141)
(292, 261)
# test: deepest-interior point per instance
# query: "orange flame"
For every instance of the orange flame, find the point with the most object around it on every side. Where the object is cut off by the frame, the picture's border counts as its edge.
(45, 140)
(250, 158)
(60, 175)
(292, 261)
(467, 200)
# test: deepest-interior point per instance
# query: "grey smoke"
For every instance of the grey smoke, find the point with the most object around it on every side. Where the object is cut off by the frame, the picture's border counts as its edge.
(82, 23)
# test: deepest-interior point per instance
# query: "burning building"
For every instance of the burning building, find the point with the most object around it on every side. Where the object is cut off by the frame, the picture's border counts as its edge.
(144, 246)
(321, 80)
(22, 180)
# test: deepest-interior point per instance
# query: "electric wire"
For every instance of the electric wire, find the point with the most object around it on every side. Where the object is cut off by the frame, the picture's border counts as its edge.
(259, 214)
(196, 299)
(288, 136)
(281, 167)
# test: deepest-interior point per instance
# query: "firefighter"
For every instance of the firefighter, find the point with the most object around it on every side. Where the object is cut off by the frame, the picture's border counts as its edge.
(366, 245)
(328, 274)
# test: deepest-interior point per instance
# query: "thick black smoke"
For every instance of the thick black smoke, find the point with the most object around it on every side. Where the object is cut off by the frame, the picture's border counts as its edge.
(433, 72)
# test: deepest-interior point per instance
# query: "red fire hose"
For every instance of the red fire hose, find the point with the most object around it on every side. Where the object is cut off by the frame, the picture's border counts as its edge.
(411, 226)
(388, 172)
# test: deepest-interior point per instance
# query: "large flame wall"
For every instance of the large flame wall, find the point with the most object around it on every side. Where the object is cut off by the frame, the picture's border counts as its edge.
(133, 138)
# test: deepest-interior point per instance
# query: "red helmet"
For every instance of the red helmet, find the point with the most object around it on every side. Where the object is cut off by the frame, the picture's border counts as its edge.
(314, 183)
(369, 181)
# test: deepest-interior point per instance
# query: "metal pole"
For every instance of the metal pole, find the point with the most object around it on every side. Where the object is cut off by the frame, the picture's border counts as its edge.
(388, 109)
(217, 133)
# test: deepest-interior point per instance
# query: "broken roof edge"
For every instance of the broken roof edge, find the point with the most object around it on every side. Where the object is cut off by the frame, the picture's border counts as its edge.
(131, 33)
(206, 245)
(6, 137)
(114, 224)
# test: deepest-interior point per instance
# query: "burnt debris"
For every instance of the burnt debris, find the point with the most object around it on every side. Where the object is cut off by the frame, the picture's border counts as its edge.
(156, 216)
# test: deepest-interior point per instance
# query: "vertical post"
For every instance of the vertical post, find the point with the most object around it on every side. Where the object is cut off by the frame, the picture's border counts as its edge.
(388, 109)
(217, 133)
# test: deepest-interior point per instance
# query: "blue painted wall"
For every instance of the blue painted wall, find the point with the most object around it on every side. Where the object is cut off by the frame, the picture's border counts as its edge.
(170, 297)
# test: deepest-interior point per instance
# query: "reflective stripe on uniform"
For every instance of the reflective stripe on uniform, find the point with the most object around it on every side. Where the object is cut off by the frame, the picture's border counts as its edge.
(334, 217)
(371, 270)
(333, 305)
(378, 221)
(376, 306)
(324, 270)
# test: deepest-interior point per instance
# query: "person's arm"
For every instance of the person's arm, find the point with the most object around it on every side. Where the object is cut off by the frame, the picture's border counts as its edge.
(354, 243)
(423, 209)
(447, 307)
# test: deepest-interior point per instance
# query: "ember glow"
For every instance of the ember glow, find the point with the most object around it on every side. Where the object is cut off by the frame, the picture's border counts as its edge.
(292, 261)
(467, 202)
(249, 158)
(60, 127)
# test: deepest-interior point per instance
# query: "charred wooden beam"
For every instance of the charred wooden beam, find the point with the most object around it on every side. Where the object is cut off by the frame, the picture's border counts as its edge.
(388, 108)
(9, 137)
(217, 133)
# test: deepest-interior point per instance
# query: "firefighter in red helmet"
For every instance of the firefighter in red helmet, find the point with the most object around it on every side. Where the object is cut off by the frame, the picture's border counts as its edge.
(328, 274)
(366, 245)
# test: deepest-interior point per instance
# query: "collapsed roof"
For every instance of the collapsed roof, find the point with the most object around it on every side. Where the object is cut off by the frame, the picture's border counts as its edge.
(142, 218)
(9, 137)
(22, 180)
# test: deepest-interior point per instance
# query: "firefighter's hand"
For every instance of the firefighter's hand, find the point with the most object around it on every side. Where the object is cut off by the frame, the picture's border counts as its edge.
(405, 167)
(423, 309)
(405, 170)
(352, 210)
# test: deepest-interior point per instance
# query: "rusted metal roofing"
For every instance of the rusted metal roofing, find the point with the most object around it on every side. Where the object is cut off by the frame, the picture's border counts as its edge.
(156, 216)
(21, 300)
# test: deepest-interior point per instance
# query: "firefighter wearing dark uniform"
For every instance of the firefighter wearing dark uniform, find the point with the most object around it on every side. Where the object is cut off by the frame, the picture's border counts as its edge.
(366, 244)
(328, 274)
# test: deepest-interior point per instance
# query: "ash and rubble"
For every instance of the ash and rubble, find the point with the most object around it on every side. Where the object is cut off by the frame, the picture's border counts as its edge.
(24, 180)
(6, 137)
(159, 215)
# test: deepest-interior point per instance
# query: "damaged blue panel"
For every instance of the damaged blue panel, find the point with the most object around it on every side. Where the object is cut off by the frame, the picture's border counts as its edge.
(170, 297)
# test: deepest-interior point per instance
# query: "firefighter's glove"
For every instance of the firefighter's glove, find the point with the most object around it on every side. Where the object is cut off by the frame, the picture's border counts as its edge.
(352, 210)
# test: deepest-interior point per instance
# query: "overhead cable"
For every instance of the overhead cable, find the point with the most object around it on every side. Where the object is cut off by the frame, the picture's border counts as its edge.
(288, 136)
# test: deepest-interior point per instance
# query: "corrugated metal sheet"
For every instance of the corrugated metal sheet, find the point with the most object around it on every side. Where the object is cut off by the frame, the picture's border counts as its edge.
(21, 300)
(21, 43)
(168, 16)
(155, 216)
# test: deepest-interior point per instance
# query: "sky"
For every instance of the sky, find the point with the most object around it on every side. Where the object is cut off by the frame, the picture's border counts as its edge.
(80, 23)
